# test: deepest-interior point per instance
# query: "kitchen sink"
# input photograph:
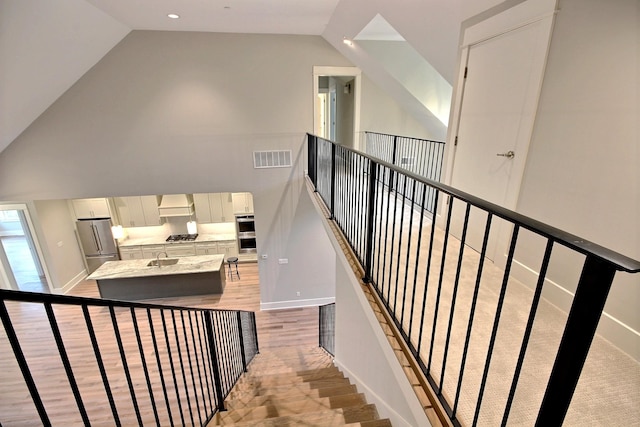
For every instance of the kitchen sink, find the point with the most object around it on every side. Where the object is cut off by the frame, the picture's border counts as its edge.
(162, 261)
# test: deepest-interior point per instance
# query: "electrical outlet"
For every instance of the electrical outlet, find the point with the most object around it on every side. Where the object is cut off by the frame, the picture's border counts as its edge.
(297, 294)
(283, 261)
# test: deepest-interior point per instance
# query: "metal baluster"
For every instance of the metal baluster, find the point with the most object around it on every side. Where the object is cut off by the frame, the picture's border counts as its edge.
(125, 366)
(193, 379)
(474, 300)
(442, 265)
(22, 363)
(527, 332)
(214, 359)
(195, 356)
(591, 294)
(426, 281)
(455, 294)
(158, 362)
(144, 365)
(99, 361)
(205, 357)
(171, 364)
(184, 376)
(496, 322)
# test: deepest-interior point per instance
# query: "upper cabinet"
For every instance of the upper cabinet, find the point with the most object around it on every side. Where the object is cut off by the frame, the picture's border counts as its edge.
(138, 211)
(242, 203)
(91, 208)
(213, 207)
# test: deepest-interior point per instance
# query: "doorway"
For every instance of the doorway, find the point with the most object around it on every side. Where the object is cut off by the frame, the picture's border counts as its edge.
(336, 106)
(19, 258)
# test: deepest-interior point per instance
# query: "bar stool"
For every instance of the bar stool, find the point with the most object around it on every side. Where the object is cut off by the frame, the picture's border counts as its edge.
(231, 261)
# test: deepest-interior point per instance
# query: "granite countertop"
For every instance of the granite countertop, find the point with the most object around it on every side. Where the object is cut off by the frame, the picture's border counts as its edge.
(138, 267)
(161, 240)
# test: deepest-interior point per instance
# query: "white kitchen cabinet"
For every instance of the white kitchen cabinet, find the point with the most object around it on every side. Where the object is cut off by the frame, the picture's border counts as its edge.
(152, 251)
(213, 207)
(221, 207)
(131, 252)
(228, 248)
(202, 206)
(91, 208)
(242, 203)
(180, 249)
(138, 211)
(206, 248)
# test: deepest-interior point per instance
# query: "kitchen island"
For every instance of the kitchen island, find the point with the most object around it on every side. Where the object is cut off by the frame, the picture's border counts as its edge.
(136, 279)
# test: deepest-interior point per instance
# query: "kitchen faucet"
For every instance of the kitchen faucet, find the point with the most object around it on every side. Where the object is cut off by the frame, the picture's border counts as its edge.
(158, 257)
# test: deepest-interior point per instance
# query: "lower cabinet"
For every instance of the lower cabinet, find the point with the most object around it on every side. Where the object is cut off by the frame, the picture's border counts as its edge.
(206, 248)
(131, 252)
(228, 248)
(181, 249)
(152, 251)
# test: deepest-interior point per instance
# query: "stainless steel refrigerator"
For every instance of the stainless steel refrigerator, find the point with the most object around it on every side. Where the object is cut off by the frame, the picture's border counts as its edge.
(97, 242)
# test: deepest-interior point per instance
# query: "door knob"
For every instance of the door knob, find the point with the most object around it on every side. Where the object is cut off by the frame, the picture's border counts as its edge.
(509, 154)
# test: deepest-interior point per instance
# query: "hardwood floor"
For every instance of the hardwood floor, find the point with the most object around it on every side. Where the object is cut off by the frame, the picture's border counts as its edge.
(276, 329)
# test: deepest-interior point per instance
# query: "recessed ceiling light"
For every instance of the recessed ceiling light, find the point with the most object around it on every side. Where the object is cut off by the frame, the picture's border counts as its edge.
(173, 16)
(347, 41)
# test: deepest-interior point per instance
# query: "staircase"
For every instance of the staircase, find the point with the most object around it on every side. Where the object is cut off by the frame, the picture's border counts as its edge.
(296, 386)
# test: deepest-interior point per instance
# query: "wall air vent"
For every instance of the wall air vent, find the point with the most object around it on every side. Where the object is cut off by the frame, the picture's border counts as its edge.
(272, 159)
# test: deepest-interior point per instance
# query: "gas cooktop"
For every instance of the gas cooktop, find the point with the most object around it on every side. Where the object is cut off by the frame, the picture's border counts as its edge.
(182, 237)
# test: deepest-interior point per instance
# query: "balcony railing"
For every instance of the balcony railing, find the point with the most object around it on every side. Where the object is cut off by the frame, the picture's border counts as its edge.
(460, 314)
(327, 328)
(422, 157)
(149, 364)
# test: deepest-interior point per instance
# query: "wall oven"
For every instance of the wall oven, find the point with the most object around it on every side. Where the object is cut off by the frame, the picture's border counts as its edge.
(246, 228)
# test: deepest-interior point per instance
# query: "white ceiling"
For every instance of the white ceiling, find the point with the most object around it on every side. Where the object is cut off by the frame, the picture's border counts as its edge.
(235, 16)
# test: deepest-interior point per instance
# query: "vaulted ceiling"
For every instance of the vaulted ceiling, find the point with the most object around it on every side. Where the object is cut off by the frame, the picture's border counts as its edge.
(47, 45)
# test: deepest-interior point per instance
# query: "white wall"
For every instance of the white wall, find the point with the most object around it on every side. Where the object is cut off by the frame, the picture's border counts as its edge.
(44, 48)
(56, 233)
(582, 170)
(380, 113)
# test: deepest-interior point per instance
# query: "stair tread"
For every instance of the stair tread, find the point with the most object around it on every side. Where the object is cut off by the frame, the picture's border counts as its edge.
(294, 394)
(301, 387)
(297, 377)
(332, 402)
(330, 417)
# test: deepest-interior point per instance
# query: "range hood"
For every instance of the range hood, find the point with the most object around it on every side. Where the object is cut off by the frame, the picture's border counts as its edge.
(176, 205)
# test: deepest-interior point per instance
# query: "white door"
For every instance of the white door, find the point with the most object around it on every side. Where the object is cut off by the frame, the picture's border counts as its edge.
(500, 96)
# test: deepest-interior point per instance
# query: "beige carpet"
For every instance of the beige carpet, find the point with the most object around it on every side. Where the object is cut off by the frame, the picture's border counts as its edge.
(609, 390)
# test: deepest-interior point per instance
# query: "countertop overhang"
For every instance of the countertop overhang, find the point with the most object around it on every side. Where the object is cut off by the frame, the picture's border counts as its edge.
(138, 267)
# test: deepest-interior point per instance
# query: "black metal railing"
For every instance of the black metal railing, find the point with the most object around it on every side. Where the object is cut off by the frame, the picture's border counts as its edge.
(327, 328)
(460, 314)
(422, 157)
(146, 364)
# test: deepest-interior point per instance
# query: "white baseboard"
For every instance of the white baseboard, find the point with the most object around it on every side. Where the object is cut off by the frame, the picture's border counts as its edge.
(280, 305)
(609, 328)
(71, 283)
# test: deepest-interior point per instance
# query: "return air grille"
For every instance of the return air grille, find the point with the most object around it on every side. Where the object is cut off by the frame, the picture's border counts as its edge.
(272, 159)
